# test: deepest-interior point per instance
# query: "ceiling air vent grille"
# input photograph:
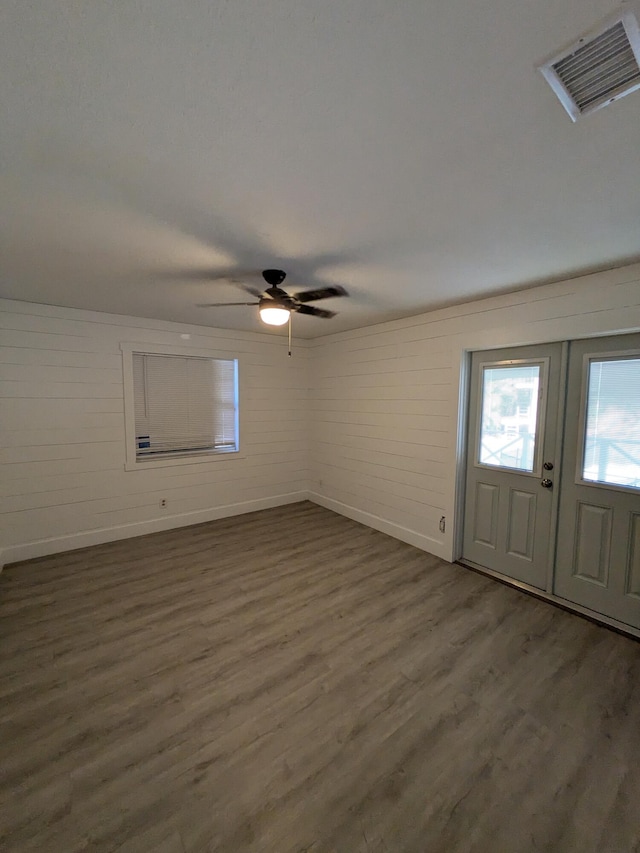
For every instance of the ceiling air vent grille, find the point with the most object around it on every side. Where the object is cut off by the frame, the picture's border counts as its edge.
(597, 69)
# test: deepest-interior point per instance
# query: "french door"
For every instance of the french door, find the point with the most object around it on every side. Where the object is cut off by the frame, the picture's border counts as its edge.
(513, 408)
(553, 471)
(598, 554)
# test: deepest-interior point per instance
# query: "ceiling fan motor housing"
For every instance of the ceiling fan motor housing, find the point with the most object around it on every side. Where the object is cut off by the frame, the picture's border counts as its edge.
(274, 277)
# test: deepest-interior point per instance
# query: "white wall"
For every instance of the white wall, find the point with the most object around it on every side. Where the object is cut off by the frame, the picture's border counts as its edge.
(63, 480)
(383, 416)
(385, 402)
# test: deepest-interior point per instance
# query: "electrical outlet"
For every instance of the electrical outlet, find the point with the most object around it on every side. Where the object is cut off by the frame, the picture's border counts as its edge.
(163, 501)
(442, 524)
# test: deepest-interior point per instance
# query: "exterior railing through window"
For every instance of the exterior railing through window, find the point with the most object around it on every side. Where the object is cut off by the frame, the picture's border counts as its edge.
(508, 451)
(612, 460)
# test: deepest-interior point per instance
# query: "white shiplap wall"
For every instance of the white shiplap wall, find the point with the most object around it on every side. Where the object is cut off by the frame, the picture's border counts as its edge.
(382, 414)
(385, 401)
(63, 480)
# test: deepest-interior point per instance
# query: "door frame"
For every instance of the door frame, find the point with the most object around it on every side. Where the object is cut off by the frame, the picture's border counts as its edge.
(463, 427)
(557, 451)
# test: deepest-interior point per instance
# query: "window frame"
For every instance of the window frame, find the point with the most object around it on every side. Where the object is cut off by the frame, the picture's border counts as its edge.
(541, 421)
(587, 359)
(187, 457)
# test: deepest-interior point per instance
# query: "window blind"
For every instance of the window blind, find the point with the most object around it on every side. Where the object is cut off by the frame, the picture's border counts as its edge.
(612, 434)
(184, 403)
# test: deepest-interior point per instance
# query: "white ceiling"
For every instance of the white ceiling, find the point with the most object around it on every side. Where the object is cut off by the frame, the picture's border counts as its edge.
(409, 151)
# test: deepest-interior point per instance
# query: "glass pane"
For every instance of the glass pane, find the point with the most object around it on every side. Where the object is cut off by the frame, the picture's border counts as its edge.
(612, 436)
(509, 416)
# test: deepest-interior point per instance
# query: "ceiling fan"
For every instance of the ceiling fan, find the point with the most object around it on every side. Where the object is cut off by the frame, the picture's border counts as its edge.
(276, 306)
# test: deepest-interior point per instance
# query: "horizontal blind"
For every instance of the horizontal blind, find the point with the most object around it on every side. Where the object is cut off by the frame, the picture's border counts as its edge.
(184, 404)
(612, 434)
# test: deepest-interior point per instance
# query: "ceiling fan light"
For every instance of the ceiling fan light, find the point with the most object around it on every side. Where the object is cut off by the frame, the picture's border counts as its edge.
(274, 316)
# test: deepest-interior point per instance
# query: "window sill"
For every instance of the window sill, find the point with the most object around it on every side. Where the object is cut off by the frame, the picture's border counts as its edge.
(188, 459)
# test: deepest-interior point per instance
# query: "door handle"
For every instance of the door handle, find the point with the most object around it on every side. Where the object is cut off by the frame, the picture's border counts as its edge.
(546, 483)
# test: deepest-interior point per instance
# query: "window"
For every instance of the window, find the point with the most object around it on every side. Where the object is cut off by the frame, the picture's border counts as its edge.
(183, 405)
(612, 435)
(509, 416)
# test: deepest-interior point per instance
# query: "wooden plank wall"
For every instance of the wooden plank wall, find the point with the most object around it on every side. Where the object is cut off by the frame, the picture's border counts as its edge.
(385, 404)
(63, 480)
(382, 416)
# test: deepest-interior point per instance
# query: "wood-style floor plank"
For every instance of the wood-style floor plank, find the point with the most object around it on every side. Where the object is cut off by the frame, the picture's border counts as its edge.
(292, 681)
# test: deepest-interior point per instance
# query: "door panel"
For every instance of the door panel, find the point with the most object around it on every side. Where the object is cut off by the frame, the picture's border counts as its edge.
(512, 430)
(598, 550)
(633, 566)
(592, 543)
(485, 530)
(521, 523)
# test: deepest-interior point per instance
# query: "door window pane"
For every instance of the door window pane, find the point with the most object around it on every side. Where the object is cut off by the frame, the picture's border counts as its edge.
(612, 435)
(509, 416)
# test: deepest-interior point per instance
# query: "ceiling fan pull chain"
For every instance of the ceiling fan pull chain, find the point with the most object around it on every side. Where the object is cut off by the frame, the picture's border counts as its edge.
(290, 316)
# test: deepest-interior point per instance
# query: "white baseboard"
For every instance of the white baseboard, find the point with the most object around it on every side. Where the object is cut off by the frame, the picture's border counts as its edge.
(412, 537)
(46, 547)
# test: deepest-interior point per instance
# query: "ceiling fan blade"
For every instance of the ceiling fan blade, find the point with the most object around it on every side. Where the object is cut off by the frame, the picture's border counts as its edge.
(321, 293)
(223, 304)
(314, 312)
(248, 289)
(227, 277)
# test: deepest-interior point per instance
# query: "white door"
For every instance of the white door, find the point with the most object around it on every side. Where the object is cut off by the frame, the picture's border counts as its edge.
(598, 553)
(512, 439)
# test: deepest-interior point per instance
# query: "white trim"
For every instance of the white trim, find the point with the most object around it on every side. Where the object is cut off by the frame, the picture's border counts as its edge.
(166, 349)
(465, 377)
(195, 457)
(58, 544)
(131, 461)
(541, 414)
(587, 359)
(412, 537)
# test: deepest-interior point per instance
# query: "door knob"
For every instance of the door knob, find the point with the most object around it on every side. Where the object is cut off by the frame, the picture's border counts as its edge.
(546, 483)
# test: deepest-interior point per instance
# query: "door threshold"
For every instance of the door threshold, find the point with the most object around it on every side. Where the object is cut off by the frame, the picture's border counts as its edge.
(562, 603)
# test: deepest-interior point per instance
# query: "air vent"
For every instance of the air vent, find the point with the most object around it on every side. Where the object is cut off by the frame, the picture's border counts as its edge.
(599, 68)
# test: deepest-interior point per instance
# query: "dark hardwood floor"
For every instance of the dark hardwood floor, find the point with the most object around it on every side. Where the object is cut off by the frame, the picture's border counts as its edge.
(291, 681)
